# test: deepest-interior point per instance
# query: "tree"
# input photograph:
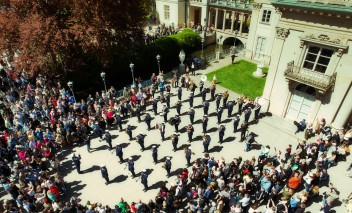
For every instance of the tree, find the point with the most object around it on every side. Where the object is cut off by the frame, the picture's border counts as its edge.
(75, 35)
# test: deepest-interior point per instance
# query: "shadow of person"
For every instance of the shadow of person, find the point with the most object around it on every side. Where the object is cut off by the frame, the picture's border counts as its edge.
(91, 169)
(135, 157)
(229, 139)
(216, 149)
(119, 179)
(158, 185)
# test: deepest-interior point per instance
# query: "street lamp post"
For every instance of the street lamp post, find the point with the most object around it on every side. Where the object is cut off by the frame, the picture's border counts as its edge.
(182, 57)
(132, 67)
(102, 75)
(158, 59)
(202, 56)
(70, 85)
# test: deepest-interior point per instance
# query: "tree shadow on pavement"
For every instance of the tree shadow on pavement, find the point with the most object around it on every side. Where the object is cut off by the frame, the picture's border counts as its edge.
(119, 179)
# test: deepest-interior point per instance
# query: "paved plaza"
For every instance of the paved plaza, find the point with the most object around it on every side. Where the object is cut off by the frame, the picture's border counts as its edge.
(271, 130)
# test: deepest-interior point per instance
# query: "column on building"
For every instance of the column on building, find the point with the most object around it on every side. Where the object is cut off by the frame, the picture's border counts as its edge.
(232, 20)
(344, 112)
(281, 34)
(241, 22)
(209, 18)
(224, 20)
(216, 18)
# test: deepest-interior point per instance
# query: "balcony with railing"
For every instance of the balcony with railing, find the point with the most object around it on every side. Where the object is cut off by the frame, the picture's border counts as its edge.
(318, 80)
(239, 4)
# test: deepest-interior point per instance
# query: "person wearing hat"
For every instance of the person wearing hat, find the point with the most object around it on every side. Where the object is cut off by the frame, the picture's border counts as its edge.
(138, 113)
(205, 123)
(240, 104)
(221, 133)
(140, 139)
(217, 101)
(147, 120)
(225, 96)
(191, 97)
(188, 154)
(162, 131)
(155, 154)
(179, 93)
(206, 142)
(119, 152)
(236, 122)
(204, 94)
(219, 114)
(165, 111)
(155, 106)
(144, 180)
(119, 121)
(98, 131)
(131, 167)
(108, 139)
(247, 114)
(191, 114)
(212, 90)
(190, 131)
(104, 173)
(177, 121)
(178, 107)
(244, 128)
(174, 140)
(129, 131)
(230, 106)
(77, 161)
(205, 107)
(167, 99)
(167, 166)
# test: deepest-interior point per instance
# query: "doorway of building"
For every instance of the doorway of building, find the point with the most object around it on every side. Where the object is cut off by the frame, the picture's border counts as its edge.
(197, 16)
(301, 102)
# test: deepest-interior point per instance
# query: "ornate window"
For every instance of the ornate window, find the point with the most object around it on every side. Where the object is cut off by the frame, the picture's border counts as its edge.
(260, 48)
(317, 58)
(166, 12)
(266, 16)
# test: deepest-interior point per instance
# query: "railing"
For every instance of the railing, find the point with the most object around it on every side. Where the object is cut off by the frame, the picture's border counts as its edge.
(315, 79)
(245, 4)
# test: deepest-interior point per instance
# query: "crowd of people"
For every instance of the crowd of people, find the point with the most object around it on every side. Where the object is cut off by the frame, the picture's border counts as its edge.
(44, 121)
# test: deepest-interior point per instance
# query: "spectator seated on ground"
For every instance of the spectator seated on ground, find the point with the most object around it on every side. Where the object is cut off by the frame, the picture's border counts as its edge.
(301, 126)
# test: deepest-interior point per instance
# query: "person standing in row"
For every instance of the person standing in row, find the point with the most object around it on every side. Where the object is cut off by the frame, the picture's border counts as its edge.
(206, 142)
(129, 131)
(219, 114)
(256, 111)
(119, 121)
(155, 106)
(162, 131)
(148, 120)
(236, 122)
(167, 166)
(206, 107)
(179, 93)
(244, 128)
(212, 91)
(155, 154)
(240, 104)
(201, 85)
(108, 139)
(167, 99)
(191, 114)
(104, 173)
(119, 152)
(230, 106)
(131, 167)
(138, 113)
(140, 139)
(165, 111)
(87, 140)
(178, 107)
(204, 94)
(247, 114)
(217, 101)
(205, 123)
(221, 133)
(77, 161)
(174, 140)
(191, 97)
(225, 96)
(144, 180)
(177, 122)
(188, 154)
(190, 131)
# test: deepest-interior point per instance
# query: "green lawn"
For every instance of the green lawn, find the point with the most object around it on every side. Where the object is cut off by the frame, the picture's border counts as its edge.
(239, 78)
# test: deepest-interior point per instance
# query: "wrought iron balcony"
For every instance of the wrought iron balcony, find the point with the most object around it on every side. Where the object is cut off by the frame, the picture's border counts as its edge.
(311, 78)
